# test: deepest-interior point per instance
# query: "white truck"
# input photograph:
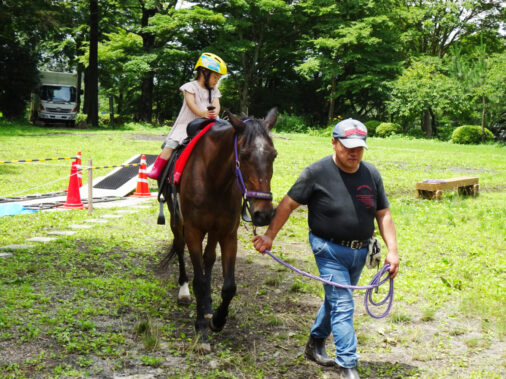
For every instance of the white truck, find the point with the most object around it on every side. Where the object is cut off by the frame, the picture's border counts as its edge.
(55, 99)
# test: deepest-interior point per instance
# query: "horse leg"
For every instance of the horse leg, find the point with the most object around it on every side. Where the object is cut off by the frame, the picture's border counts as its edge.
(209, 259)
(228, 255)
(194, 242)
(183, 297)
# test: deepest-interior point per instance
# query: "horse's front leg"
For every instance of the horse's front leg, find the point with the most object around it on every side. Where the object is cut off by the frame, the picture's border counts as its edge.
(228, 255)
(194, 239)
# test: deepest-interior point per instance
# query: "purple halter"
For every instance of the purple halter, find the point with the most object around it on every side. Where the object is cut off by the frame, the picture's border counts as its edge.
(247, 195)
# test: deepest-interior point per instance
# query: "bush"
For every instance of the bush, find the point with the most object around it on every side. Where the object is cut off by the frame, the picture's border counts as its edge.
(386, 129)
(290, 124)
(471, 134)
(371, 126)
(416, 133)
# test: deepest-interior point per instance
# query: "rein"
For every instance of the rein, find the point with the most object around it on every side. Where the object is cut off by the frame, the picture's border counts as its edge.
(374, 284)
(247, 195)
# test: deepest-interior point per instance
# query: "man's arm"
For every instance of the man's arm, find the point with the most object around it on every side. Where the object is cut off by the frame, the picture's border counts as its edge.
(387, 230)
(283, 211)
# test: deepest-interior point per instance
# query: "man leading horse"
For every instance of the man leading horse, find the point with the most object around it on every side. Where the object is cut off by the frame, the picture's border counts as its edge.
(344, 196)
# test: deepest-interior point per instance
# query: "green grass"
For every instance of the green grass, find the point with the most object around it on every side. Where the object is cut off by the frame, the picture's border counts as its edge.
(96, 296)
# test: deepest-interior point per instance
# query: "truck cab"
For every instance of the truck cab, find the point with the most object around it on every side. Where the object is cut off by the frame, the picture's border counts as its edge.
(55, 99)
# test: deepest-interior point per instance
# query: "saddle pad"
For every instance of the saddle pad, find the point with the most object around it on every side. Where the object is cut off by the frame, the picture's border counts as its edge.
(181, 162)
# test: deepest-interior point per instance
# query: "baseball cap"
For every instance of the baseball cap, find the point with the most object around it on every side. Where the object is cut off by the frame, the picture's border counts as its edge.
(351, 133)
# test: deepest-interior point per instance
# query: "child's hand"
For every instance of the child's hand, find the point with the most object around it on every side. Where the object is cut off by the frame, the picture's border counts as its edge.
(211, 112)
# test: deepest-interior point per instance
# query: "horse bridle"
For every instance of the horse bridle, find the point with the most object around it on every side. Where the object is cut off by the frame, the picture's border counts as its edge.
(246, 195)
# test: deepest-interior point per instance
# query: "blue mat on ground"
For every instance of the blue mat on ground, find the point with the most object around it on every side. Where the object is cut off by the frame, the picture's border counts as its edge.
(14, 209)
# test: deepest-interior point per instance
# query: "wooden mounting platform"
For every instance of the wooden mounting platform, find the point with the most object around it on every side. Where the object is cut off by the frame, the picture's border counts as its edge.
(433, 189)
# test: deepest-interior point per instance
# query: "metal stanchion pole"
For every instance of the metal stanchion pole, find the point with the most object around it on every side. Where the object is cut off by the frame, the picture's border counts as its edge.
(90, 187)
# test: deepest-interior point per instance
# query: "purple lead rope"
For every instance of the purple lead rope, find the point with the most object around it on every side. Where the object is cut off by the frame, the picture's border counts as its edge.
(375, 283)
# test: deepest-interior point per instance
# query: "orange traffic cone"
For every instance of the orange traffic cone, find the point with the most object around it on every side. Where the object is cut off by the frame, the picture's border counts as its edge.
(142, 181)
(73, 195)
(79, 172)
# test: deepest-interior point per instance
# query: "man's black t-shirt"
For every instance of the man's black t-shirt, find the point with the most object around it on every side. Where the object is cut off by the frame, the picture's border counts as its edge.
(341, 206)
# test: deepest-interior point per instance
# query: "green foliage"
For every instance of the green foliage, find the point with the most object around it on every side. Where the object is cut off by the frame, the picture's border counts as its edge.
(18, 77)
(290, 123)
(416, 133)
(471, 134)
(371, 126)
(386, 129)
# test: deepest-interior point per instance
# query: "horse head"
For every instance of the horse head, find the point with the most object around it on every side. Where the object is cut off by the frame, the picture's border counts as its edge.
(256, 154)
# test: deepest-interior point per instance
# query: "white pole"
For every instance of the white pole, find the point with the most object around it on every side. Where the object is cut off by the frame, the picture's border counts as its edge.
(90, 187)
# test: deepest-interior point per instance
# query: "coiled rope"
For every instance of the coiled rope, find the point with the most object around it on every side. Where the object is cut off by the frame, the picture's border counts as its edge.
(375, 283)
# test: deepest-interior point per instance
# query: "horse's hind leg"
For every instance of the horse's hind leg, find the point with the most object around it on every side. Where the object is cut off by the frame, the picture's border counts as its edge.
(228, 256)
(194, 239)
(209, 259)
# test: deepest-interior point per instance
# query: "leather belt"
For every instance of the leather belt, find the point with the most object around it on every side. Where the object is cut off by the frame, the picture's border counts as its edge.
(355, 244)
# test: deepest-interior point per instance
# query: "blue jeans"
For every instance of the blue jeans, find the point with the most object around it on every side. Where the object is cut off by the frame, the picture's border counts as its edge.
(342, 265)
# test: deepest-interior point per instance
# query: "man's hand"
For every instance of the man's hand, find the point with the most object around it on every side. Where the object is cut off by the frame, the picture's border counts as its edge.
(392, 259)
(262, 243)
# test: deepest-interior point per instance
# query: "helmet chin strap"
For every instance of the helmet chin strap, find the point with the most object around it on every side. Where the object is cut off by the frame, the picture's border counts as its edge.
(207, 74)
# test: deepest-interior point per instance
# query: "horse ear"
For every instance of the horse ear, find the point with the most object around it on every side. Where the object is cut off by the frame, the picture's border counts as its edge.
(271, 118)
(236, 122)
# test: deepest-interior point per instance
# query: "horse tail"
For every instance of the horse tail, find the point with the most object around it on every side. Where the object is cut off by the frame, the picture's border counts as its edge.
(164, 263)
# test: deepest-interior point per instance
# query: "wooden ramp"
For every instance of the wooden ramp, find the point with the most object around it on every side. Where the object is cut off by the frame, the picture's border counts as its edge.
(433, 188)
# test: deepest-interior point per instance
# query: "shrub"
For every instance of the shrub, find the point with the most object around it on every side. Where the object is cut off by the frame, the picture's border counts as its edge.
(386, 129)
(470, 134)
(371, 126)
(290, 124)
(416, 133)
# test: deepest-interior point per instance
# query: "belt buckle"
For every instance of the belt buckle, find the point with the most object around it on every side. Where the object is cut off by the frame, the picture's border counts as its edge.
(356, 244)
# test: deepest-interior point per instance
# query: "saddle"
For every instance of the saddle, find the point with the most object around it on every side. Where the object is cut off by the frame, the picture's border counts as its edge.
(174, 168)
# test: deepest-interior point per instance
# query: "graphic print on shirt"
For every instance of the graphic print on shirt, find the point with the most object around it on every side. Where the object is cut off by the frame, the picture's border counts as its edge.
(365, 195)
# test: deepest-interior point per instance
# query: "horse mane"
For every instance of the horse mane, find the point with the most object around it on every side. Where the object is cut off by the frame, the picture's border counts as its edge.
(254, 128)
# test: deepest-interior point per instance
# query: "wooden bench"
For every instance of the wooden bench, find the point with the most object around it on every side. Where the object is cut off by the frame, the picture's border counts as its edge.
(432, 188)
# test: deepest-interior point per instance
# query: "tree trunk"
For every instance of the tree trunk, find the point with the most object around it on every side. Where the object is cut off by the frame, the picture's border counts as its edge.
(86, 100)
(148, 43)
(79, 87)
(434, 123)
(332, 99)
(483, 117)
(111, 110)
(92, 82)
(244, 91)
(427, 123)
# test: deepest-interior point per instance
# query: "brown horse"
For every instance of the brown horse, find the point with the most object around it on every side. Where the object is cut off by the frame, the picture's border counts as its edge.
(231, 163)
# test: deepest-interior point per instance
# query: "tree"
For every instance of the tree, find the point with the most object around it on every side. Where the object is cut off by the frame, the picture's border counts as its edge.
(354, 45)
(254, 42)
(423, 92)
(92, 69)
(22, 24)
(483, 77)
(432, 27)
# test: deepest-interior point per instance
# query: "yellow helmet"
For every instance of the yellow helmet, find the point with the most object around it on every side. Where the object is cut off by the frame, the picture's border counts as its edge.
(213, 63)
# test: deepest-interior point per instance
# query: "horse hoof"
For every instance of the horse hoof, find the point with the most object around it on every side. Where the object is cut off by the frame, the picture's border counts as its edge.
(208, 316)
(213, 327)
(204, 347)
(184, 300)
